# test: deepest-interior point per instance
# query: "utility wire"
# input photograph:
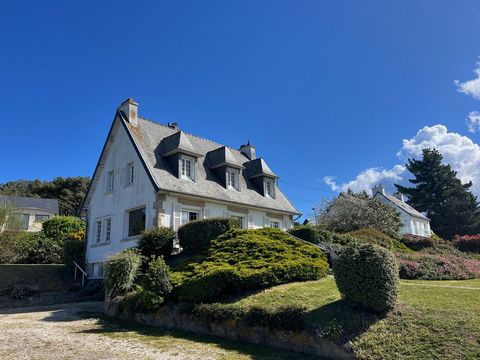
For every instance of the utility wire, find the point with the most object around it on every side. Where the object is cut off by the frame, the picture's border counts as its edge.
(307, 187)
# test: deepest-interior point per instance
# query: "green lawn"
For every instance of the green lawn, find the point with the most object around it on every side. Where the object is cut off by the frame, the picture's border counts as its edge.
(433, 319)
(47, 277)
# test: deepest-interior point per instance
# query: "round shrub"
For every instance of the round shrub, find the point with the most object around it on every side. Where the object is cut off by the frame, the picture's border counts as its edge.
(120, 272)
(157, 242)
(59, 227)
(73, 250)
(367, 275)
(196, 236)
(157, 278)
(305, 232)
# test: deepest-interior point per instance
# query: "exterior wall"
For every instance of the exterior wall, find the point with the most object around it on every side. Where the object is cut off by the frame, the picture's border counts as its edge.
(116, 203)
(34, 226)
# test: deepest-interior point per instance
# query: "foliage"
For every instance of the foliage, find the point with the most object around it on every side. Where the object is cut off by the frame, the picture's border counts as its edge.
(120, 272)
(69, 191)
(73, 250)
(61, 227)
(196, 236)
(29, 248)
(468, 243)
(450, 206)
(157, 278)
(157, 242)
(427, 266)
(318, 235)
(417, 242)
(375, 236)
(219, 312)
(350, 212)
(140, 300)
(241, 260)
(367, 275)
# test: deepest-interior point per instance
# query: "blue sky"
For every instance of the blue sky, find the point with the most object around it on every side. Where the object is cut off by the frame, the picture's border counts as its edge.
(322, 88)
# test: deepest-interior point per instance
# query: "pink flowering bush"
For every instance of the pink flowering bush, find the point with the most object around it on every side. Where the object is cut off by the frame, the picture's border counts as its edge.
(467, 243)
(437, 267)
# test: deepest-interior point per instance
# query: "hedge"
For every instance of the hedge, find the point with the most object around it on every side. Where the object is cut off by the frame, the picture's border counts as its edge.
(417, 242)
(73, 250)
(374, 236)
(60, 227)
(196, 236)
(467, 243)
(157, 242)
(367, 275)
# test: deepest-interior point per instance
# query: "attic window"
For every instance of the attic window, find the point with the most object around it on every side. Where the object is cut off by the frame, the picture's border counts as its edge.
(232, 178)
(269, 188)
(187, 168)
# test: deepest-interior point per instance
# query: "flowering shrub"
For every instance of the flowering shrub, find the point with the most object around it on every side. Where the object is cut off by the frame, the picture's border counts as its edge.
(437, 267)
(417, 242)
(467, 243)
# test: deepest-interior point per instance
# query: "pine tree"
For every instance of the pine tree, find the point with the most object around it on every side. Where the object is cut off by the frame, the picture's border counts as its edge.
(449, 204)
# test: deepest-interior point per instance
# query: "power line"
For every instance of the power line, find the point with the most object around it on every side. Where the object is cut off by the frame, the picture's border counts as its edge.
(307, 187)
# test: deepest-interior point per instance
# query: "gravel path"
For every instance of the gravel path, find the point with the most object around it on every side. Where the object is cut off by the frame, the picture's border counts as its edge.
(64, 332)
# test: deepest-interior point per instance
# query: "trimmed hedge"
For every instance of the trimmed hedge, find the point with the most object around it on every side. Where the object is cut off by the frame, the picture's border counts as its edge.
(374, 236)
(120, 272)
(243, 260)
(196, 236)
(318, 235)
(467, 243)
(60, 227)
(367, 275)
(157, 242)
(417, 242)
(73, 250)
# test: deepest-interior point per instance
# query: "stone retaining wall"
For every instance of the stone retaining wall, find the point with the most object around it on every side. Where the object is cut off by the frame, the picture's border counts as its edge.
(172, 317)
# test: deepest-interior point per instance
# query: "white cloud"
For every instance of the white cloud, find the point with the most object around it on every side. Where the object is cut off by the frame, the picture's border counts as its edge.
(470, 87)
(473, 121)
(457, 150)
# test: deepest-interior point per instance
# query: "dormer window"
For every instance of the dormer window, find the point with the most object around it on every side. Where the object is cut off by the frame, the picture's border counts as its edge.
(187, 168)
(232, 178)
(269, 187)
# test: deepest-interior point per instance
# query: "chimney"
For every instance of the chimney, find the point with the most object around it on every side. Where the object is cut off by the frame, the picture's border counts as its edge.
(400, 196)
(249, 151)
(378, 189)
(173, 126)
(130, 108)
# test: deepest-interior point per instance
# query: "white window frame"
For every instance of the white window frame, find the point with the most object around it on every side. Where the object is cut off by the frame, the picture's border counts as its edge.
(102, 232)
(233, 178)
(43, 215)
(110, 181)
(196, 211)
(98, 231)
(242, 218)
(130, 175)
(107, 225)
(183, 168)
(271, 187)
(272, 222)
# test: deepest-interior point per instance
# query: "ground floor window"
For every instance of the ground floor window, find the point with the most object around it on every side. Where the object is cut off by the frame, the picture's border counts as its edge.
(240, 219)
(41, 218)
(136, 222)
(275, 224)
(98, 269)
(188, 216)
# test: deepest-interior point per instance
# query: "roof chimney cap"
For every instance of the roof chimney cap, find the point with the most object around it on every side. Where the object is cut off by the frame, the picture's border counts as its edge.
(130, 108)
(249, 151)
(378, 189)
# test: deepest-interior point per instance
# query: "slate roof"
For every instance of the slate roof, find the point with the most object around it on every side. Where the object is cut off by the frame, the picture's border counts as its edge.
(259, 167)
(19, 202)
(177, 142)
(404, 206)
(150, 139)
(221, 157)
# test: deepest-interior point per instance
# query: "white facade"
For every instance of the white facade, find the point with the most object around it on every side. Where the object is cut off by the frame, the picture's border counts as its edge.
(117, 190)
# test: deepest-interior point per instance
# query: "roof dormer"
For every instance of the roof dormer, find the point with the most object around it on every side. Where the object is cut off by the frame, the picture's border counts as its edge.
(178, 143)
(225, 166)
(262, 176)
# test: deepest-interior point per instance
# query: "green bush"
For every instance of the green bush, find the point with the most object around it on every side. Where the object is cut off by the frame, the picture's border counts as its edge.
(196, 236)
(44, 250)
(287, 317)
(467, 243)
(59, 227)
(157, 242)
(140, 300)
(219, 312)
(417, 242)
(318, 235)
(241, 260)
(120, 272)
(367, 275)
(157, 277)
(73, 250)
(29, 248)
(374, 236)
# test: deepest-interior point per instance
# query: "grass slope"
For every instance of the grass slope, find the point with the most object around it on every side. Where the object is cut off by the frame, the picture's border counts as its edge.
(434, 319)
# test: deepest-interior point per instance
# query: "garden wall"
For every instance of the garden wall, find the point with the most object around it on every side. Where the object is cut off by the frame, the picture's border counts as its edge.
(173, 317)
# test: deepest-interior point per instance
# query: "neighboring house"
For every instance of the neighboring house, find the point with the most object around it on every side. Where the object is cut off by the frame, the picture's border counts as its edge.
(151, 175)
(413, 221)
(32, 212)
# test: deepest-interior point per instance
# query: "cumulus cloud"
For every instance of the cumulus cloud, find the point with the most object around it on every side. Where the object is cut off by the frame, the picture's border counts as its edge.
(459, 151)
(471, 87)
(473, 121)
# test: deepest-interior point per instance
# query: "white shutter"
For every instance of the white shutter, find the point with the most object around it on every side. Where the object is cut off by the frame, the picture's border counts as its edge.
(177, 216)
(227, 213)
(206, 213)
(250, 222)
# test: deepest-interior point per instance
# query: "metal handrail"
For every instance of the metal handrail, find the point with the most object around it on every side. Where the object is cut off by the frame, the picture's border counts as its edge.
(84, 274)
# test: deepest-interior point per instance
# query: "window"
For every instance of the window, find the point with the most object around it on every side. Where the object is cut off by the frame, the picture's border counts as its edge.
(188, 216)
(136, 222)
(274, 224)
(187, 170)
(269, 188)
(130, 173)
(41, 218)
(232, 179)
(108, 229)
(98, 231)
(240, 219)
(98, 270)
(110, 182)
(25, 221)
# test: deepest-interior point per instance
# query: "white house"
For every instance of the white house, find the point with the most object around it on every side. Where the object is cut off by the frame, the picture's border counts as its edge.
(151, 175)
(32, 212)
(413, 221)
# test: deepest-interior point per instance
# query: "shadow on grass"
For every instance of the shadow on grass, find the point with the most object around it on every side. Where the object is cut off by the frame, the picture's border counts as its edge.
(151, 335)
(341, 322)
